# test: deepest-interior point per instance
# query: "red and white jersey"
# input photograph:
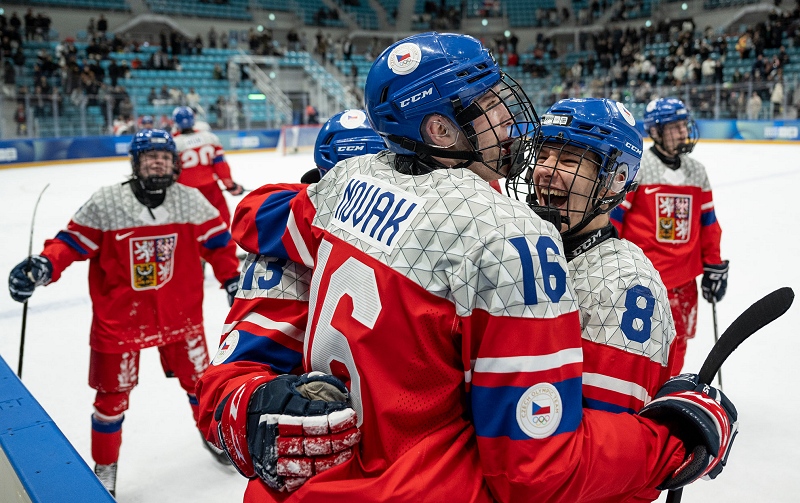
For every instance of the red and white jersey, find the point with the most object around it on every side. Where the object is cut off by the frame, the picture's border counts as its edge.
(626, 324)
(447, 310)
(202, 159)
(145, 276)
(671, 218)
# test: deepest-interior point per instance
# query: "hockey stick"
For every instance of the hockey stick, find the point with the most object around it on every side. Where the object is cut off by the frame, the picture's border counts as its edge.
(25, 304)
(716, 336)
(753, 319)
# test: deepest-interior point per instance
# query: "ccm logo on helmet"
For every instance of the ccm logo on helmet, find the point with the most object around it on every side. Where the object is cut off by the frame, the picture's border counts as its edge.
(350, 148)
(634, 148)
(416, 97)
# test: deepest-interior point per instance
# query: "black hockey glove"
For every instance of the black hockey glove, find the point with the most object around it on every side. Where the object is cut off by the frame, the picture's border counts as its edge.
(715, 281)
(296, 427)
(27, 275)
(701, 416)
(231, 287)
(235, 189)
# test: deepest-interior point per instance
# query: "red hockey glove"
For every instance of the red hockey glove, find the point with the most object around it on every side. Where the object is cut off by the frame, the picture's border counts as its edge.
(715, 281)
(296, 427)
(701, 416)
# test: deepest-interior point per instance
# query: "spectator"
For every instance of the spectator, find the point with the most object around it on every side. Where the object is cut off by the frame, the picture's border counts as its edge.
(754, 106)
(193, 102)
(776, 99)
(9, 78)
(218, 75)
(312, 116)
(22, 120)
(30, 25)
(212, 38)
(91, 29)
(152, 96)
(102, 26)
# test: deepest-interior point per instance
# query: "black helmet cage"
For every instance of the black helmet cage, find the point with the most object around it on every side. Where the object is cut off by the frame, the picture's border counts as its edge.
(581, 208)
(514, 152)
(692, 136)
(156, 183)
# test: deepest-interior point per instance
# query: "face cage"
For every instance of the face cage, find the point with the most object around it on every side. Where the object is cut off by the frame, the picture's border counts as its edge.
(576, 210)
(692, 136)
(515, 150)
(155, 183)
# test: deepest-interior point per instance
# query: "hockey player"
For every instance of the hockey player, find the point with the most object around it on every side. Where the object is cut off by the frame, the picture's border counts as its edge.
(345, 135)
(671, 217)
(144, 240)
(586, 161)
(203, 163)
(404, 302)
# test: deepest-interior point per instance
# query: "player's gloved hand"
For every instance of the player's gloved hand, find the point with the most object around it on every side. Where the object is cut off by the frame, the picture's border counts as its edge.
(295, 427)
(701, 416)
(234, 188)
(231, 286)
(715, 281)
(27, 275)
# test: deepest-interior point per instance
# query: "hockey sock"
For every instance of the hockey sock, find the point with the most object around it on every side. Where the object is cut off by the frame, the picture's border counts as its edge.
(106, 439)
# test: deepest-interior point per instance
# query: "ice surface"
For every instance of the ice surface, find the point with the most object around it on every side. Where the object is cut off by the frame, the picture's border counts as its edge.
(162, 458)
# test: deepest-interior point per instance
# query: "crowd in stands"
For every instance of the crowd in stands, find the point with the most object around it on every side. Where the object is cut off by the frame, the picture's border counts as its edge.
(620, 63)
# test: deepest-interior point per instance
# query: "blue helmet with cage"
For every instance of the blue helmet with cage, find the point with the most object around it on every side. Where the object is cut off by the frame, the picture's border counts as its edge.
(148, 140)
(596, 131)
(346, 134)
(183, 117)
(147, 119)
(446, 74)
(663, 111)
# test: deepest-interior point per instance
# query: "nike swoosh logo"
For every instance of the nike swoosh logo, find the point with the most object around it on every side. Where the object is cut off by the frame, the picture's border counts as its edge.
(651, 190)
(120, 237)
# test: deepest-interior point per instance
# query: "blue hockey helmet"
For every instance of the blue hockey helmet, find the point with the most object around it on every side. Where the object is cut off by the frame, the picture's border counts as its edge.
(147, 119)
(447, 74)
(345, 135)
(183, 117)
(148, 140)
(595, 131)
(663, 111)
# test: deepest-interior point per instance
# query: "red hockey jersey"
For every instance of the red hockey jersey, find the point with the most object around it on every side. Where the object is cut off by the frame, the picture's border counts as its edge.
(145, 276)
(202, 159)
(446, 309)
(671, 218)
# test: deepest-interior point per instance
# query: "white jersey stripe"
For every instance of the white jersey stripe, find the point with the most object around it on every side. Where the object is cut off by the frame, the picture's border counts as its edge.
(83, 239)
(218, 228)
(262, 321)
(297, 239)
(708, 205)
(617, 385)
(515, 364)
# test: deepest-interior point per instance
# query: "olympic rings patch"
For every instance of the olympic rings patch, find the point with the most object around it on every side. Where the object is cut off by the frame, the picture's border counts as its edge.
(539, 410)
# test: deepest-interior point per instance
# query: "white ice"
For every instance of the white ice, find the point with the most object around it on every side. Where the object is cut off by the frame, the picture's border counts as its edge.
(162, 458)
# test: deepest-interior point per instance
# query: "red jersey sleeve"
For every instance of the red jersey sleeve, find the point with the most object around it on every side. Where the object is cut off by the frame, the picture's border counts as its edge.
(710, 231)
(76, 242)
(218, 249)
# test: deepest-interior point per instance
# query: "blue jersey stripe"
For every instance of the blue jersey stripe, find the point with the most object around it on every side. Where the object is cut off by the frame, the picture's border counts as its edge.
(219, 159)
(221, 240)
(102, 427)
(617, 214)
(708, 218)
(271, 220)
(67, 238)
(495, 409)
(261, 349)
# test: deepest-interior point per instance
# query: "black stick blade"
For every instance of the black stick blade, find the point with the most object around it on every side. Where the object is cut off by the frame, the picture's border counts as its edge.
(755, 317)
